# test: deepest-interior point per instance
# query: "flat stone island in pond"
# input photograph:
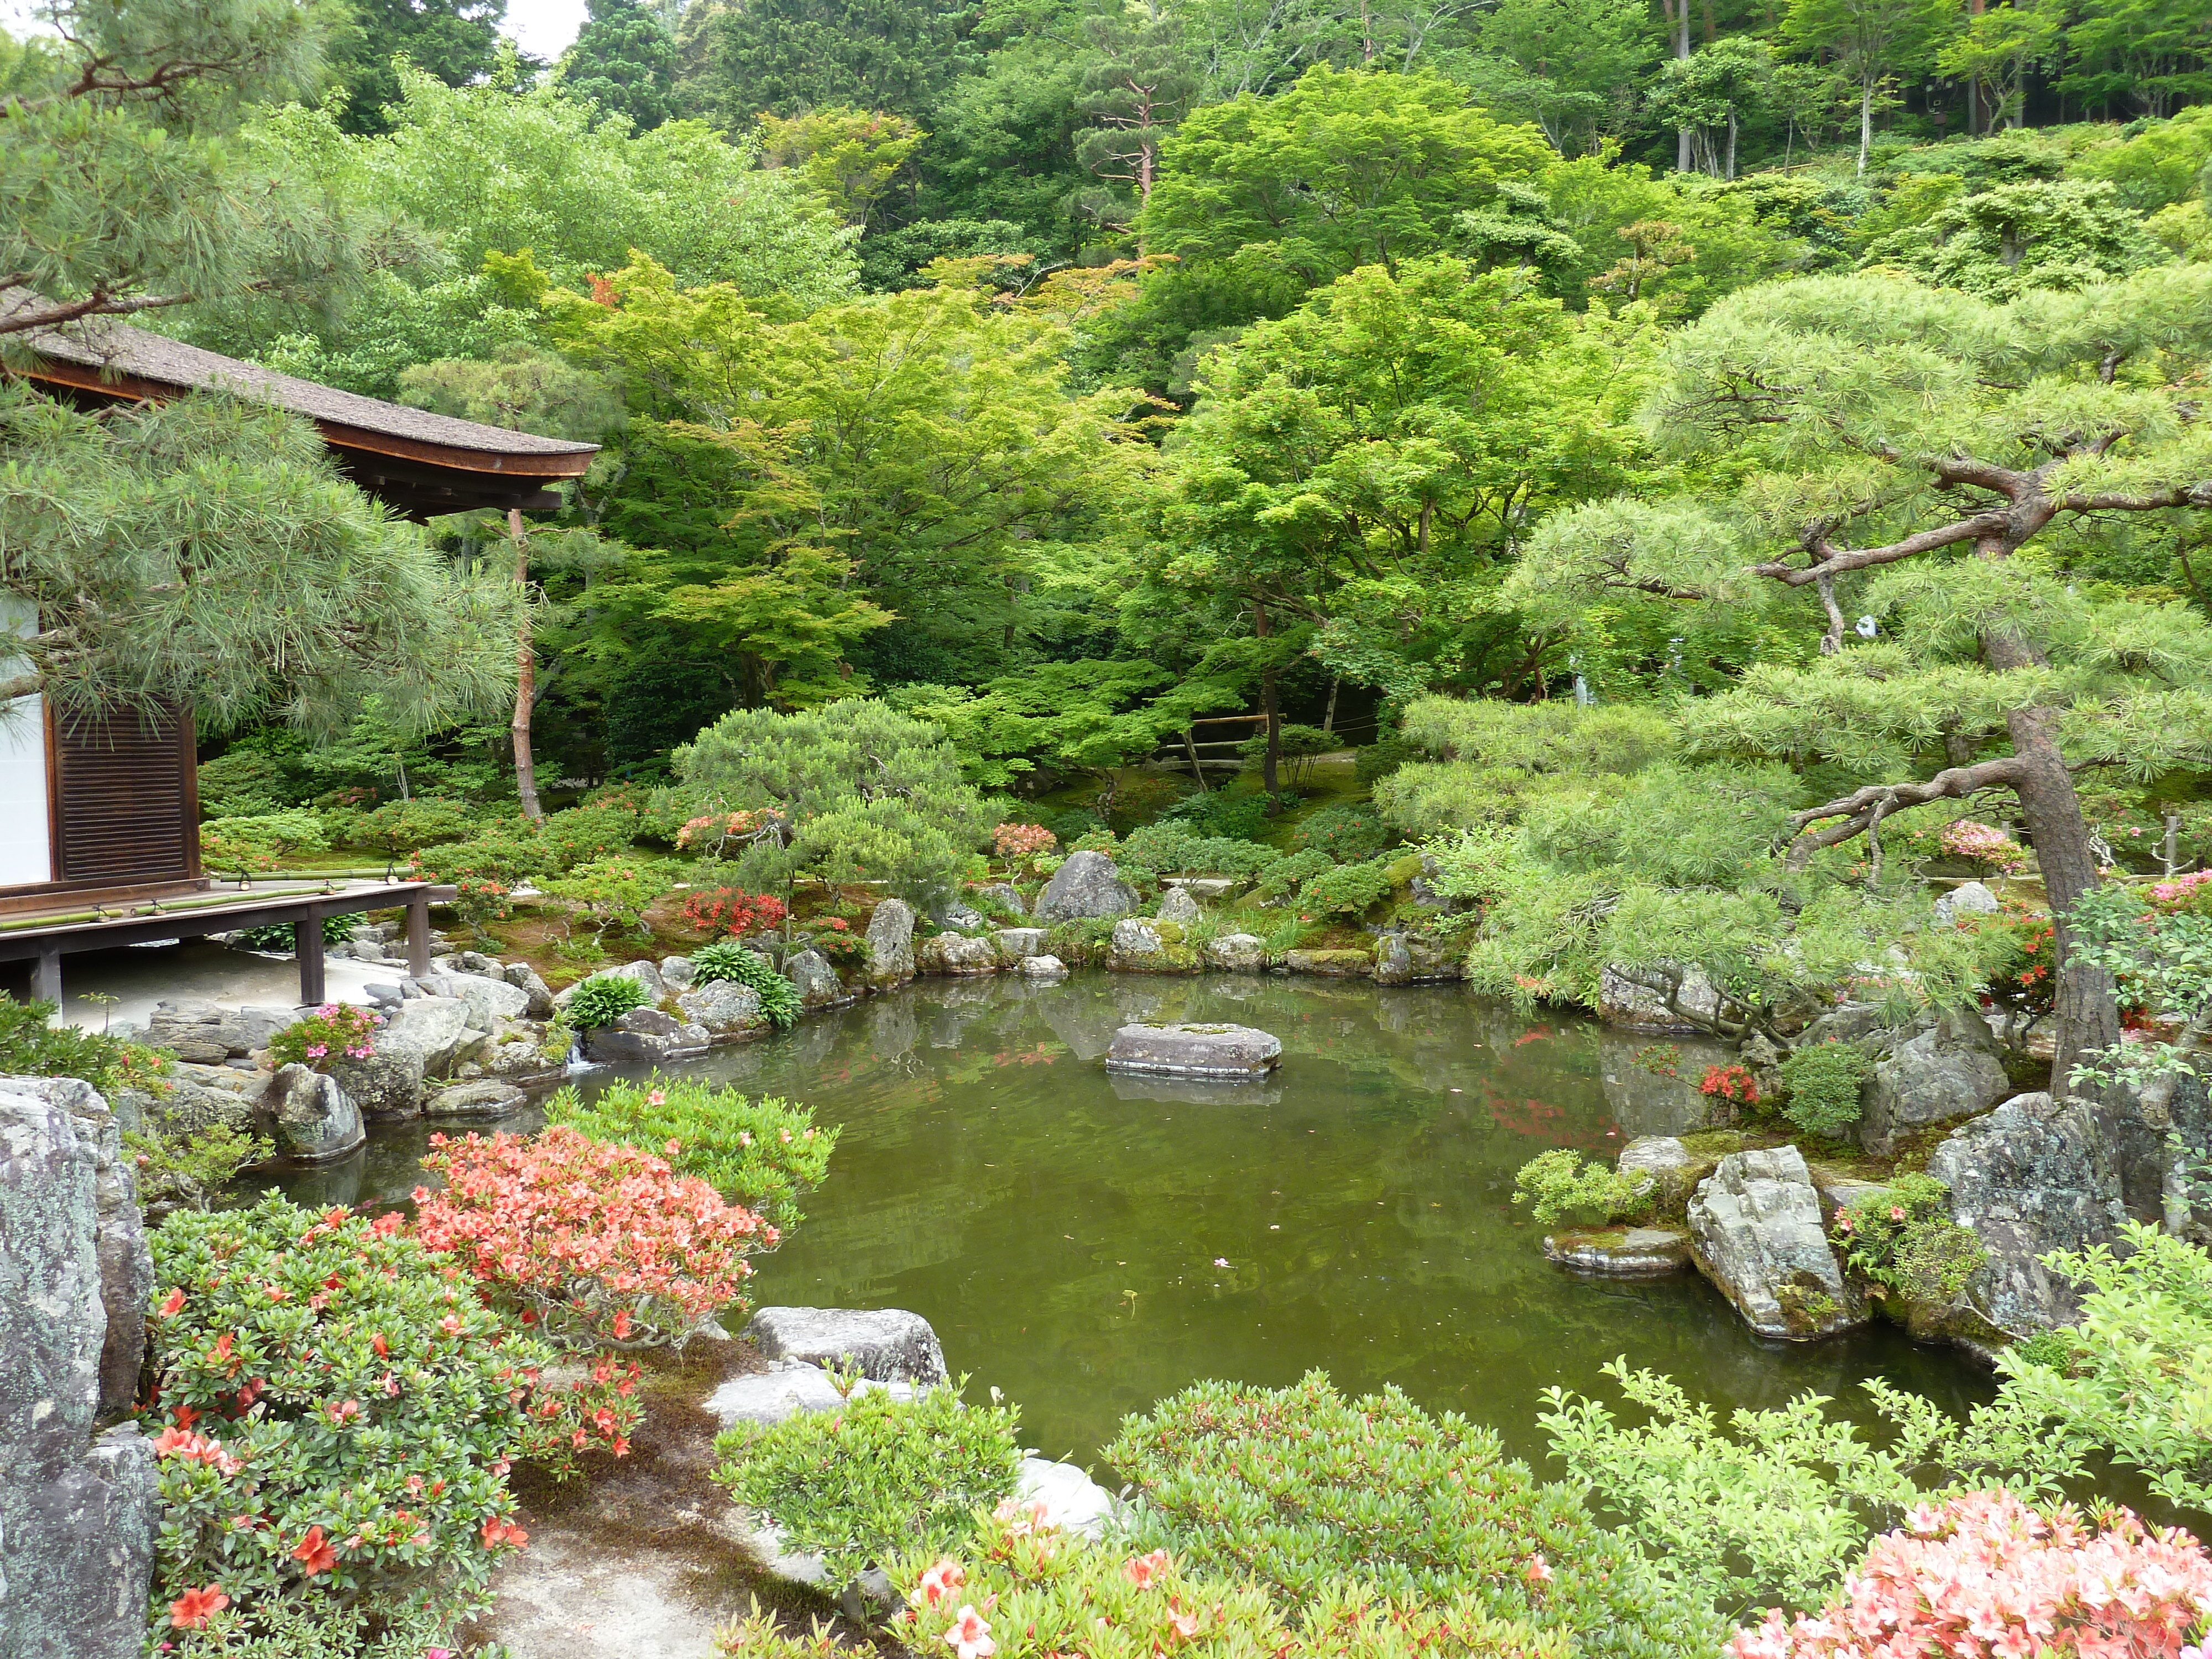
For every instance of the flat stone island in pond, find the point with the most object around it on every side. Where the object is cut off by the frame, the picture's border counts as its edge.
(1220, 1051)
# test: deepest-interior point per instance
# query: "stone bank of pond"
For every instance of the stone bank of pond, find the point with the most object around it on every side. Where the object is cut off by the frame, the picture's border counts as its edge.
(1089, 1243)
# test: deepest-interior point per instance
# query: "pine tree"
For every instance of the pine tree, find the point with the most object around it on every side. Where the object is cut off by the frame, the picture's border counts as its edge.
(624, 61)
(1932, 458)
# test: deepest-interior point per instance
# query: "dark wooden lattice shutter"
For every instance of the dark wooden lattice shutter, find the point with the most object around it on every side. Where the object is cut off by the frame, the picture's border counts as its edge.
(128, 808)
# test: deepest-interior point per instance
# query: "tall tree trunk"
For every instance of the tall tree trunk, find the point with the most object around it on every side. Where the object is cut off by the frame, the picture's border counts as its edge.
(1328, 715)
(526, 663)
(1731, 153)
(1866, 123)
(1974, 81)
(1271, 756)
(2087, 1014)
(1678, 42)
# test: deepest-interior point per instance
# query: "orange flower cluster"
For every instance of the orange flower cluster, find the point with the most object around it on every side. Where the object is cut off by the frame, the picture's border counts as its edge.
(601, 1243)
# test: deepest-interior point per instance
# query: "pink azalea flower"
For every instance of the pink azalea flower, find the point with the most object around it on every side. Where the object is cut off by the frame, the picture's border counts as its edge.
(970, 1636)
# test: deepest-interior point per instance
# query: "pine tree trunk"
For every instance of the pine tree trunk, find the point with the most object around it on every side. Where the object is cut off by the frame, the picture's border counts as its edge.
(525, 685)
(2086, 1014)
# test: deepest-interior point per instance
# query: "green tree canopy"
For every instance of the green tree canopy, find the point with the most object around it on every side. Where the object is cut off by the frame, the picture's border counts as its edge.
(455, 40)
(1940, 461)
(624, 61)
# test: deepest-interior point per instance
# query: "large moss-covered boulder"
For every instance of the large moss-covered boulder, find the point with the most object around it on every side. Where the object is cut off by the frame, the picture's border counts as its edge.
(1950, 1069)
(1759, 1235)
(1085, 884)
(890, 944)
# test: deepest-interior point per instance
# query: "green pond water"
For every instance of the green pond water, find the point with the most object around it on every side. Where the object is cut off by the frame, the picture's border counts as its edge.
(1088, 1243)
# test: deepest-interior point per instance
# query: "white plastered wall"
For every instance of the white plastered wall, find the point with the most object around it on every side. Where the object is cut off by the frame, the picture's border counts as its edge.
(25, 857)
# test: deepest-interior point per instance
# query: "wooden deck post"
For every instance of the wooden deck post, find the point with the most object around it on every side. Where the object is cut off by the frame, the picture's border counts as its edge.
(46, 978)
(418, 935)
(307, 945)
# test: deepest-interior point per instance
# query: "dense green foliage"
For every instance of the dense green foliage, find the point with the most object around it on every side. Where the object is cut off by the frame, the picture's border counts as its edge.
(728, 959)
(603, 998)
(765, 1154)
(875, 1477)
(1823, 1079)
(29, 1047)
(1299, 1488)
(1557, 1184)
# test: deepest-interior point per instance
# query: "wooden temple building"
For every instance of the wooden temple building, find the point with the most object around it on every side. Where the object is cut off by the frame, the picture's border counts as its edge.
(100, 821)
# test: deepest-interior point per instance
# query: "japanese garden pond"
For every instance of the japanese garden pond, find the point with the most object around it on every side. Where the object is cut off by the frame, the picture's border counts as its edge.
(1088, 1243)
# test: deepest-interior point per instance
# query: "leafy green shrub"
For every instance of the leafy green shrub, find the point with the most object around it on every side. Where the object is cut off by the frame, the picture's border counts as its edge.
(1282, 878)
(1350, 835)
(278, 935)
(337, 1412)
(485, 870)
(1906, 1239)
(603, 998)
(1080, 941)
(613, 892)
(1218, 813)
(1557, 1184)
(183, 1167)
(1034, 1593)
(246, 782)
(585, 835)
(726, 959)
(401, 827)
(1299, 1489)
(1344, 889)
(1166, 848)
(875, 1477)
(1380, 758)
(240, 846)
(1823, 1080)
(766, 1154)
(29, 1047)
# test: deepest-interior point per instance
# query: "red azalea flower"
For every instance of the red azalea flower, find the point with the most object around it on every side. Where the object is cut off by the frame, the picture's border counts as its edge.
(195, 1606)
(314, 1552)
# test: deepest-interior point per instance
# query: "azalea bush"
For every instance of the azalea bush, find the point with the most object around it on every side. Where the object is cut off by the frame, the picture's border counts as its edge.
(400, 827)
(486, 870)
(603, 1000)
(875, 1477)
(1347, 891)
(1022, 845)
(837, 942)
(1988, 849)
(1170, 847)
(731, 912)
(1026, 1590)
(1985, 1577)
(726, 959)
(762, 1152)
(1731, 1083)
(592, 1244)
(187, 1166)
(261, 843)
(1300, 1490)
(1284, 877)
(31, 1047)
(1903, 1239)
(336, 1411)
(1557, 1184)
(335, 1031)
(613, 892)
(1350, 835)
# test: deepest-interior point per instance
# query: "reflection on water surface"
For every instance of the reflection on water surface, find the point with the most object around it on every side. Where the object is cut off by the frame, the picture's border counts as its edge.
(1066, 1232)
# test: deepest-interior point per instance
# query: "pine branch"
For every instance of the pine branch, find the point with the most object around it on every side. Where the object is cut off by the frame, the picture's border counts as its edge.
(1834, 561)
(1862, 811)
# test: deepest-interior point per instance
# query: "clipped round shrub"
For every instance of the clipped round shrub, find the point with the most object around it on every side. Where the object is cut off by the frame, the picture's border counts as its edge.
(336, 1411)
(603, 1000)
(765, 1154)
(1284, 876)
(1299, 1489)
(1350, 835)
(1343, 890)
(592, 1244)
(1823, 1080)
(875, 1477)
(726, 959)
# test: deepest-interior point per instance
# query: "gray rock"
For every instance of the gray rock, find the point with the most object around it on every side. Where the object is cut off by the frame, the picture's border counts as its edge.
(1244, 951)
(1072, 1501)
(890, 944)
(1757, 1233)
(2031, 1177)
(1329, 965)
(79, 1539)
(1135, 939)
(633, 1044)
(53, 1319)
(1949, 1071)
(309, 1116)
(1176, 904)
(725, 1007)
(1410, 959)
(194, 1030)
(1044, 968)
(1228, 1051)
(1015, 942)
(956, 953)
(1671, 1169)
(475, 962)
(966, 917)
(645, 974)
(1085, 884)
(1006, 895)
(651, 1021)
(1620, 1252)
(190, 1104)
(1841, 1192)
(382, 994)
(486, 1097)
(816, 981)
(523, 976)
(887, 1343)
(437, 1027)
(1849, 1021)
(1638, 997)
(1967, 899)
(488, 1001)
(678, 972)
(785, 1389)
(386, 1085)
(1204, 887)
